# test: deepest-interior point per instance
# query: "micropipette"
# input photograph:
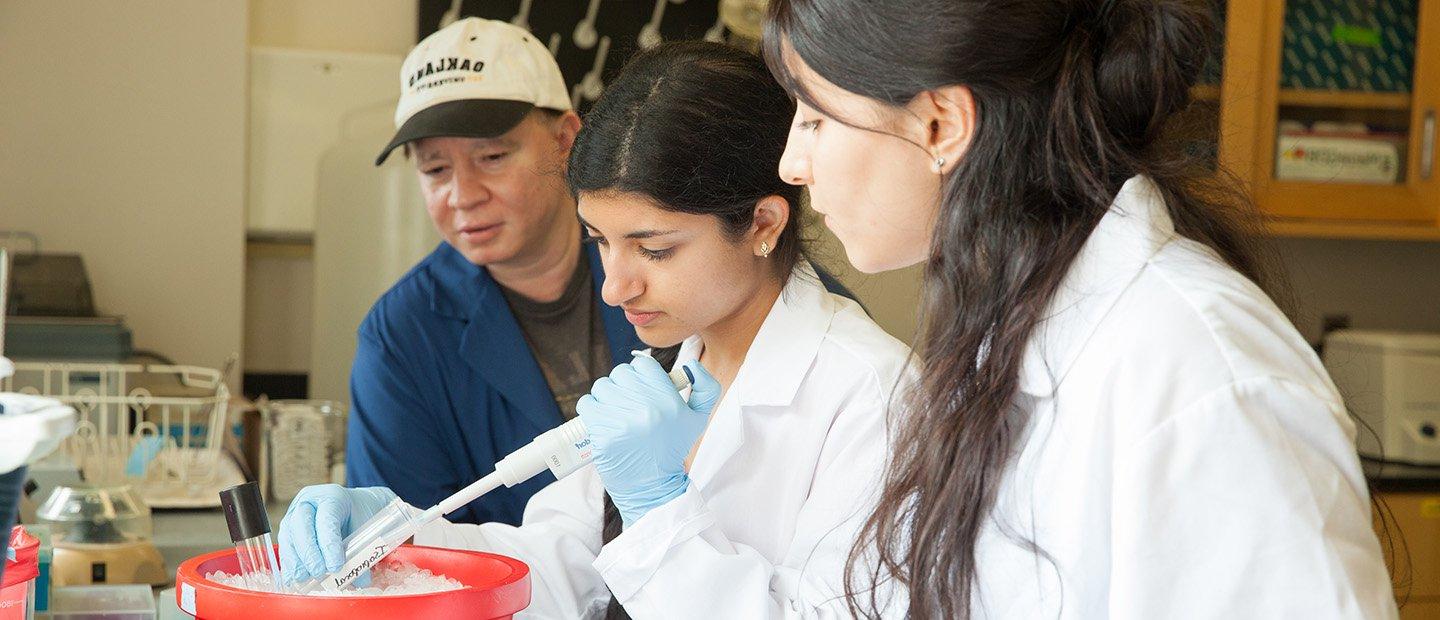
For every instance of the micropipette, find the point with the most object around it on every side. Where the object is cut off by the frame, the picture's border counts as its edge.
(562, 450)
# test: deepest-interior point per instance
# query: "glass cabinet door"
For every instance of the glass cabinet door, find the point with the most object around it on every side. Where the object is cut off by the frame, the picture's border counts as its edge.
(1347, 119)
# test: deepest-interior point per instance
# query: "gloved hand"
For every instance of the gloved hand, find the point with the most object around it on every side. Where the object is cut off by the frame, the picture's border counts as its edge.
(642, 430)
(316, 524)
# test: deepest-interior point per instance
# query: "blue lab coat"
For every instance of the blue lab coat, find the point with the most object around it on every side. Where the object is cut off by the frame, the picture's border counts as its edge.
(444, 386)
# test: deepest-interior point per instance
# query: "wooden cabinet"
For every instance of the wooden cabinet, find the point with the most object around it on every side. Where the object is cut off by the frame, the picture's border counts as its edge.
(1413, 552)
(1427, 609)
(1315, 102)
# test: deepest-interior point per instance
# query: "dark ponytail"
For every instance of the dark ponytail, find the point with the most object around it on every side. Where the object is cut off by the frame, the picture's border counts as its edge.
(1071, 98)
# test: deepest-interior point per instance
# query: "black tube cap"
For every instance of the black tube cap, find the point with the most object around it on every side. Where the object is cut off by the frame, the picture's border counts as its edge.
(245, 511)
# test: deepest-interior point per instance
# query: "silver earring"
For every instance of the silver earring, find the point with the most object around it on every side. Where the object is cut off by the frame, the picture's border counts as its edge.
(939, 165)
(764, 250)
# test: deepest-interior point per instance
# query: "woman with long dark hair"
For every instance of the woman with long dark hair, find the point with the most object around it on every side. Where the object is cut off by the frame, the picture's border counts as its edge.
(1113, 419)
(742, 498)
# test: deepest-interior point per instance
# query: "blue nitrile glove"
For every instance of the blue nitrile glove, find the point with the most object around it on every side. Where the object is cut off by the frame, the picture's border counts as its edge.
(642, 430)
(316, 523)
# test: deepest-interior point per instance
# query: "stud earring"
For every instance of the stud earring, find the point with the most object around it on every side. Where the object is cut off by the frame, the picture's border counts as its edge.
(939, 165)
(764, 250)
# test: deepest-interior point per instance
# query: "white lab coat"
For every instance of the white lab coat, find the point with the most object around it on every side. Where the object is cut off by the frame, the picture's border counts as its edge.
(1187, 456)
(785, 473)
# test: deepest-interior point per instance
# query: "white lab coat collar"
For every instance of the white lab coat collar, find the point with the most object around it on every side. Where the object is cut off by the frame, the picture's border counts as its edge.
(785, 346)
(1137, 225)
(770, 376)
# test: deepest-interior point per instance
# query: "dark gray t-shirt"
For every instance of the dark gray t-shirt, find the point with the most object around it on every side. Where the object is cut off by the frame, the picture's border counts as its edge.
(566, 336)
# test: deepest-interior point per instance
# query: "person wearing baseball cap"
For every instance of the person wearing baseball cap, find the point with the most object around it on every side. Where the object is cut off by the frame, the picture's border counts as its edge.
(492, 338)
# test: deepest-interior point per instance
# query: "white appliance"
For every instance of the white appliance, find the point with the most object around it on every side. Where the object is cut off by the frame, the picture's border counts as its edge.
(1391, 383)
(370, 228)
(297, 101)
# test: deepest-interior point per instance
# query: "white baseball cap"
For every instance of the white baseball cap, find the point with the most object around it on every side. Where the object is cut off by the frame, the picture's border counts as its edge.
(475, 78)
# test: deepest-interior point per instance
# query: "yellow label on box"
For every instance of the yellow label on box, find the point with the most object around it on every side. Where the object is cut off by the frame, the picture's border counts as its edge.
(1430, 508)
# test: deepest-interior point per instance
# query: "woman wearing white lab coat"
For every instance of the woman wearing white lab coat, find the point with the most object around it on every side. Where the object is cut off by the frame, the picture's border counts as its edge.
(674, 173)
(1113, 419)
(777, 486)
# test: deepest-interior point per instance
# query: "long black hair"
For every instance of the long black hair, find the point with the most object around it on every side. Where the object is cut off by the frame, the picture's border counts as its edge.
(698, 128)
(1071, 98)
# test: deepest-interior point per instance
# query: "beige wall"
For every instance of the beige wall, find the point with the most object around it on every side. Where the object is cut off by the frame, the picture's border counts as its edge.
(1379, 284)
(891, 298)
(123, 139)
(279, 288)
(380, 26)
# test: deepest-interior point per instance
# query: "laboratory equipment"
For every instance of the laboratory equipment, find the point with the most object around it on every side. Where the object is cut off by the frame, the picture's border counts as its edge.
(92, 339)
(585, 34)
(306, 445)
(165, 424)
(495, 587)
(592, 83)
(17, 585)
(1391, 383)
(52, 312)
(250, 531)
(47, 284)
(562, 450)
(133, 602)
(650, 33)
(101, 535)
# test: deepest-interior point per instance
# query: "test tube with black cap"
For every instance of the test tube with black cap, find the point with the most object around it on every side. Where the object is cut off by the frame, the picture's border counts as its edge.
(250, 531)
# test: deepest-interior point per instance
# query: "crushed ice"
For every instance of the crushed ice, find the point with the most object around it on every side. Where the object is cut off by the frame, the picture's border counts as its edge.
(389, 578)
